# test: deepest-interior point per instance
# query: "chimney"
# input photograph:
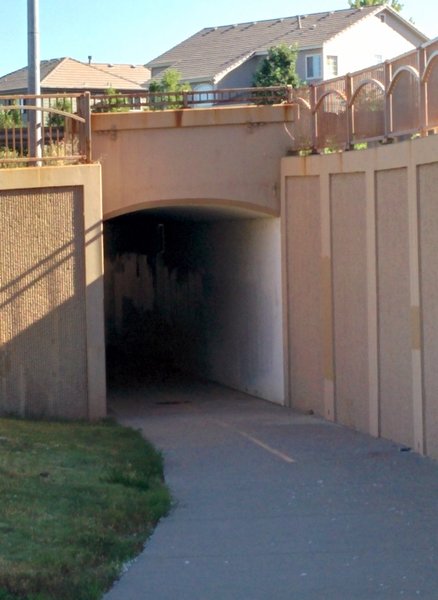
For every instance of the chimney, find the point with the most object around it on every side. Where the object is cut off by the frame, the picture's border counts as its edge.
(89, 59)
(299, 22)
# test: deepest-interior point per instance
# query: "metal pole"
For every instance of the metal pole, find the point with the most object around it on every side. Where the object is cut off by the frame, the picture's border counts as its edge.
(33, 80)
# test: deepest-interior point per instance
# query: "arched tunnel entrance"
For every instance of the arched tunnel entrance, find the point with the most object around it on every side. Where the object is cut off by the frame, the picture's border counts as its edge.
(195, 291)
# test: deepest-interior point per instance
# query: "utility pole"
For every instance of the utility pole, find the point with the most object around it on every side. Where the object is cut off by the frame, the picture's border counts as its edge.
(33, 80)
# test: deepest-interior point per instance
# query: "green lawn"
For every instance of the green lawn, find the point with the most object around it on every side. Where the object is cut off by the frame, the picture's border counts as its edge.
(76, 502)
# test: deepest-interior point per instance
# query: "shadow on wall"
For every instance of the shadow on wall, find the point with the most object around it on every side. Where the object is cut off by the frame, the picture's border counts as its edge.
(43, 352)
(43, 369)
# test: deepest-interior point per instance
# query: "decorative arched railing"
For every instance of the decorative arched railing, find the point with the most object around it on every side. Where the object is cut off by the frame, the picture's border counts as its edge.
(395, 99)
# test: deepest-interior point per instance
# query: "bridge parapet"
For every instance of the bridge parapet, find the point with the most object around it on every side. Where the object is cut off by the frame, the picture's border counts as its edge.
(215, 156)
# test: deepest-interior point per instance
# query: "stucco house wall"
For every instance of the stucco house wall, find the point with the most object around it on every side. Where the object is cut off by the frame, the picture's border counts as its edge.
(242, 76)
(373, 41)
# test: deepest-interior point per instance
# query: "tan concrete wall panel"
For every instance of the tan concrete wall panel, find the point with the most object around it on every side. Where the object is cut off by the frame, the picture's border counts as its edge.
(428, 205)
(386, 342)
(348, 195)
(42, 303)
(243, 320)
(395, 389)
(303, 227)
(203, 155)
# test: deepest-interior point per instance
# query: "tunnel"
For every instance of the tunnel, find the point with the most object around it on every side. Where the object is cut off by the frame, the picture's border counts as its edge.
(195, 292)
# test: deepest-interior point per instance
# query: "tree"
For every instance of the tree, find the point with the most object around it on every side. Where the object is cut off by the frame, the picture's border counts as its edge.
(278, 68)
(395, 4)
(10, 118)
(115, 103)
(55, 120)
(169, 83)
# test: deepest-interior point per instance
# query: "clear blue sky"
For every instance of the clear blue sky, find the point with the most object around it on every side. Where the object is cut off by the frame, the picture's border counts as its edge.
(135, 31)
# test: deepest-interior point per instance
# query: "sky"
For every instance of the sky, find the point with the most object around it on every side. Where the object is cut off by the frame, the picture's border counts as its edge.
(136, 31)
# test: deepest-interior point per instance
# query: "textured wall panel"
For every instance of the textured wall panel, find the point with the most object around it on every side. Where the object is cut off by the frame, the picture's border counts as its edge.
(304, 293)
(42, 303)
(347, 193)
(396, 412)
(428, 204)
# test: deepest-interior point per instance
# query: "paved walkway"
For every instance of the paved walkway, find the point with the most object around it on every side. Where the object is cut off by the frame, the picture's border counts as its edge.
(273, 505)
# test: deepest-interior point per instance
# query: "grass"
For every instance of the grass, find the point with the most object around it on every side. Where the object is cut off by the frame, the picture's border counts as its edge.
(77, 500)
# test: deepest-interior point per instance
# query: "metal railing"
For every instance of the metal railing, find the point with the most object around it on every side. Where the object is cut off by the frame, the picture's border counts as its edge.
(390, 100)
(63, 134)
(395, 99)
(103, 103)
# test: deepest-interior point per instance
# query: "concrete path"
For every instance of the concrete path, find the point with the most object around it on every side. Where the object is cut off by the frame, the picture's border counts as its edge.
(274, 505)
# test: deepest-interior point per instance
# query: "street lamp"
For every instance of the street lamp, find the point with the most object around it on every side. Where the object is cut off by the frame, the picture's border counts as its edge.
(33, 78)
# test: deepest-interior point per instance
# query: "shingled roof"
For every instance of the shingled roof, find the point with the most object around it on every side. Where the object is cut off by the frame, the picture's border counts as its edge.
(137, 73)
(214, 51)
(67, 74)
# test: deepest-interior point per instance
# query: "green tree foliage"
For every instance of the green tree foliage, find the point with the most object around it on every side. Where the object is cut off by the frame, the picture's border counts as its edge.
(170, 83)
(10, 118)
(278, 68)
(115, 103)
(55, 120)
(395, 4)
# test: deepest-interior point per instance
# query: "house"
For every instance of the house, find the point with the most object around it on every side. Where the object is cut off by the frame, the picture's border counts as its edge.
(329, 44)
(65, 75)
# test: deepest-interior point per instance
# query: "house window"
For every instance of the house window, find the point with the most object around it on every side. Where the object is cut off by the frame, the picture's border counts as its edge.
(204, 94)
(331, 67)
(313, 66)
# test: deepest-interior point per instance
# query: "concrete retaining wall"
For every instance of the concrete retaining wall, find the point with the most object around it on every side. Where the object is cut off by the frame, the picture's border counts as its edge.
(51, 322)
(361, 256)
